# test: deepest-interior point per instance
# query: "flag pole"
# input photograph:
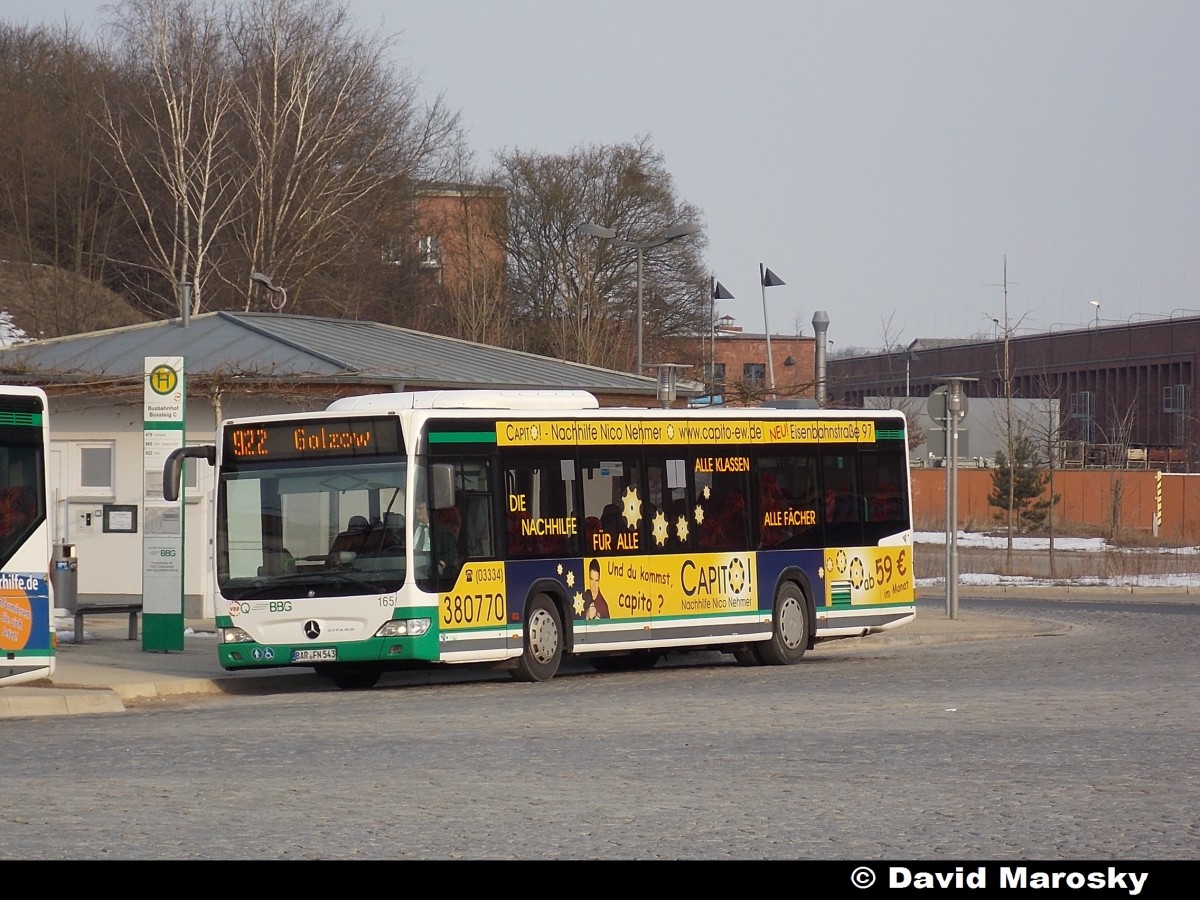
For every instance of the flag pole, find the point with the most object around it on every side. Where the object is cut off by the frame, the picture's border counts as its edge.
(762, 279)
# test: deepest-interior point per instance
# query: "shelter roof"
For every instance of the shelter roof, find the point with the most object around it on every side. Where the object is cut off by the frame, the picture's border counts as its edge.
(293, 348)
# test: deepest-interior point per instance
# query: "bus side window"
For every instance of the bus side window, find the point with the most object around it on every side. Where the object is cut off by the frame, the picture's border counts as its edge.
(540, 515)
(610, 519)
(844, 505)
(518, 543)
(611, 488)
(16, 509)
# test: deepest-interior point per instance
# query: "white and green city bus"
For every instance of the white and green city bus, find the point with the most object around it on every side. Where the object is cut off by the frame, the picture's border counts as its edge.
(28, 640)
(517, 528)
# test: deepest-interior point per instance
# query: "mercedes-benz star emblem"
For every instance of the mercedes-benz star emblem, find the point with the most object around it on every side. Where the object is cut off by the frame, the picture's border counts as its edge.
(312, 630)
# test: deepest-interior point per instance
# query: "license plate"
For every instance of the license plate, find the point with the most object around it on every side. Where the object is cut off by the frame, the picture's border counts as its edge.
(322, 654)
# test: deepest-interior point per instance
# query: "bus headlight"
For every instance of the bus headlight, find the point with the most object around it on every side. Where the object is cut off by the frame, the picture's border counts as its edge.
(404, 628)
(235, 636)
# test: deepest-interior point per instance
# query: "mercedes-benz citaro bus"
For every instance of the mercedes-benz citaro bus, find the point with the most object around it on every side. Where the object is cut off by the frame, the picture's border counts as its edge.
(517, 528)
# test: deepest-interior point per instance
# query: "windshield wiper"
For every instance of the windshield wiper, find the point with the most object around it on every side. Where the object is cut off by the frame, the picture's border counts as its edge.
(316, 578)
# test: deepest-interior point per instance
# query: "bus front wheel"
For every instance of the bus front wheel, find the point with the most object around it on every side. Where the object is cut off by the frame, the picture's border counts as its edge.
(543, 643)
(789, 628)
(354, 679)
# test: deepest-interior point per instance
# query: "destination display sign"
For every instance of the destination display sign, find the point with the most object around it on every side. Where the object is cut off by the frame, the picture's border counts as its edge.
(331, 438)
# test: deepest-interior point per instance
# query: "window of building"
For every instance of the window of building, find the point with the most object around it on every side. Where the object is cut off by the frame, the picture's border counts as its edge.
(92, 469)
(428, 252)
(714, 373)
(754, 373)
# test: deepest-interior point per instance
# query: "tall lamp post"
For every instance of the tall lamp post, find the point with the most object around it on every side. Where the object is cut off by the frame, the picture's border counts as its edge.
(672, 233)
(1096, 303)
(718, 292)
(768, 279)
(910, 355)
(265, 281)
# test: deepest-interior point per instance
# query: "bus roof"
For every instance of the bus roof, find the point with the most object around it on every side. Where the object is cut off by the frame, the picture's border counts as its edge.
(469, 399)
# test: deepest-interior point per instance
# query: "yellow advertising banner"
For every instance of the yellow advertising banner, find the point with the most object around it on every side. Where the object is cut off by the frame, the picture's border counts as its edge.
(681, 432)
(866, 575)
(478, 598)
(636, 587)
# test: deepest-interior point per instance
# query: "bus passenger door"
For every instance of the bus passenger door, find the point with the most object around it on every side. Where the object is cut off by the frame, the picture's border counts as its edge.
(615, 507)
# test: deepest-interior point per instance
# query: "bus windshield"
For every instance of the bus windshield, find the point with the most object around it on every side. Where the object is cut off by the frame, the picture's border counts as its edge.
(304, 530)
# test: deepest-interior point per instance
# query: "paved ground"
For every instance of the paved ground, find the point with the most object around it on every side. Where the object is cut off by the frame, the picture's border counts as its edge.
(108, 672)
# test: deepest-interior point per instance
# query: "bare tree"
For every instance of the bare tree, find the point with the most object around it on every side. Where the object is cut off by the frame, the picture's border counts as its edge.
(1117, 433)
(58, 214)
(169, 125)
(1008, 424)
(333, 143)
(575, 296)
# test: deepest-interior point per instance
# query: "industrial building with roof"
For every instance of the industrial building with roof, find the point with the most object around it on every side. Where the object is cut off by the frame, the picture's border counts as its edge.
(1124, 391)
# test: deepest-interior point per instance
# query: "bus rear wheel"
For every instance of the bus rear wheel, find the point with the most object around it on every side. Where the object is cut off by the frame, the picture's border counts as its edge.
(543, 643)
(789, 628)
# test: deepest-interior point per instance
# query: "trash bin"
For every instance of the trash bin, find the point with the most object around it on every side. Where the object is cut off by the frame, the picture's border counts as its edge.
(64, 578)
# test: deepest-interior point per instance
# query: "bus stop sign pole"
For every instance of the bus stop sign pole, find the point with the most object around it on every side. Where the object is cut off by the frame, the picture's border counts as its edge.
(956, 408)
(162, 522)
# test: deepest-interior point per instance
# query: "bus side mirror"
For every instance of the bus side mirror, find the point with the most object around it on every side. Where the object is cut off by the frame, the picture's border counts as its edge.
(173, 468)
(442, 475)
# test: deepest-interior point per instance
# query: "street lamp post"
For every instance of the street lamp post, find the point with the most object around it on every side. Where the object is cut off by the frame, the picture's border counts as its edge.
(265, 281)
(768, 279)
(718, 292)
(1096, 303)
(672, 233)
(909, 356)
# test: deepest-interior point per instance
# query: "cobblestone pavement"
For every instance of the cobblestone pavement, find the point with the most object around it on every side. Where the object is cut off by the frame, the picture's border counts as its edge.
(1077, 745)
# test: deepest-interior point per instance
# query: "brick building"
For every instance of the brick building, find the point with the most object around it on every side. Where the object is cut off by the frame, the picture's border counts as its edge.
(734, 369)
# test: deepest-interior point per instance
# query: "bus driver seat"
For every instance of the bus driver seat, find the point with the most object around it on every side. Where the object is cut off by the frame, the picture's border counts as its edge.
(352, 538)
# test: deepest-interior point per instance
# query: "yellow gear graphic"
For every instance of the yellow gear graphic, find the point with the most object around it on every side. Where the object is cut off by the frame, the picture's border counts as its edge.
(660, 528)
(633, 507)
(857, 573)
(737, 576)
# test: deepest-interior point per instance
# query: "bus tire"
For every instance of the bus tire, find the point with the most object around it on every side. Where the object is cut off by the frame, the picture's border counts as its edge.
(542, 646)
(789, 628)
(355, 679)
(748, 655)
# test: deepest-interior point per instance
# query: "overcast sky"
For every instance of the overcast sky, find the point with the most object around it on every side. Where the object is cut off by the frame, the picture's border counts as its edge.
(882, 158)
